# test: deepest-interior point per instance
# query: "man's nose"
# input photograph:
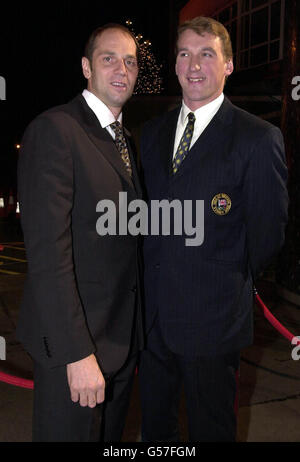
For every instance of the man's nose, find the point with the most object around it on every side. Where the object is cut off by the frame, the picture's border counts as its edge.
(195, 64)
(121, 66)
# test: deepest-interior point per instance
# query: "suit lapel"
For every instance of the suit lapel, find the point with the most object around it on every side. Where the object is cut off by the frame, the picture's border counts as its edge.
(132, 156)
(79, 109)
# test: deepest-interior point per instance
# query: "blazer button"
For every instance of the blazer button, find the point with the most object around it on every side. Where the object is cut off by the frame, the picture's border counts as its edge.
(157, 266)
(133, 289)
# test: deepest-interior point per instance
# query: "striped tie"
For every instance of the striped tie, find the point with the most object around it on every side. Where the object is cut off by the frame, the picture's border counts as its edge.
(121, 145)
(185, 142)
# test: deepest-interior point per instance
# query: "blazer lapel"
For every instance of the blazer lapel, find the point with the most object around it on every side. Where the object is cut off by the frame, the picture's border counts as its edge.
(166, 138)
(98, 135)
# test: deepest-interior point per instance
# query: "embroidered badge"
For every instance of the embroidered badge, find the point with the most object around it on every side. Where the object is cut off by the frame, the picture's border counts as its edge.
(221, 204)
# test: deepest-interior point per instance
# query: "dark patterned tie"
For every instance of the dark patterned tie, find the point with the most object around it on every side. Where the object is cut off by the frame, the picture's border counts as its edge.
(185, 142)
(121, 145)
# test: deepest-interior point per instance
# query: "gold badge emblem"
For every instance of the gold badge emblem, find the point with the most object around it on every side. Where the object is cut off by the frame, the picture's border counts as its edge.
(221, 204)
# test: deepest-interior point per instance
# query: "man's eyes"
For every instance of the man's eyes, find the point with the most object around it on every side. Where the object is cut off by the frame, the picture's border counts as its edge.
(129, 62)
(185, 54)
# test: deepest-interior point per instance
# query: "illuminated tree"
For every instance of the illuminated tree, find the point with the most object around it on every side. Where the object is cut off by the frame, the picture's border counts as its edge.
(149, 78)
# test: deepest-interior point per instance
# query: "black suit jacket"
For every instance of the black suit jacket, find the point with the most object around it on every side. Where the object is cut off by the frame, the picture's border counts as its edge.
(80, 296)
(203, 295)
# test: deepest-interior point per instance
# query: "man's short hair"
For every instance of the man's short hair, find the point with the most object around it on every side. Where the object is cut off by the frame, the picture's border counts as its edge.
(90, 44)
(202, 24)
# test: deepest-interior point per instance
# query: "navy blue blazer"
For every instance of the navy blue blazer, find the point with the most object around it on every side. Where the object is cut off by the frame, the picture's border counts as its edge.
(203, 294)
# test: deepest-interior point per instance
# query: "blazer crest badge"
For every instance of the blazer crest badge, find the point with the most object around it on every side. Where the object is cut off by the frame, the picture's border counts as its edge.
(221, 204)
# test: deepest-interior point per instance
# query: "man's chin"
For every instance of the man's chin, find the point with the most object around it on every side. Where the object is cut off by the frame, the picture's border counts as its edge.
(119, 100)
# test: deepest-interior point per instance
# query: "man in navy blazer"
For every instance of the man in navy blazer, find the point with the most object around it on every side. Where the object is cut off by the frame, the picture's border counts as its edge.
(80, 315)
(199, 295)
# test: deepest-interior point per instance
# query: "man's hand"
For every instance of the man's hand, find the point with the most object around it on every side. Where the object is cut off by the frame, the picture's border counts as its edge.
(86, 382)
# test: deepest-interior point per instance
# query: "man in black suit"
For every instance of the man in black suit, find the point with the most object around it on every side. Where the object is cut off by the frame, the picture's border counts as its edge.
(80, 316)
(199, 294)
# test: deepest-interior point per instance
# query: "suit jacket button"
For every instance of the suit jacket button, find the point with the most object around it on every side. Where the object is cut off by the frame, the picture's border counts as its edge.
(133, 289)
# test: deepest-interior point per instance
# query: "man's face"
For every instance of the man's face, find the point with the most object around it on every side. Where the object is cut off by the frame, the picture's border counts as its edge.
(113, 72)
(201, 68)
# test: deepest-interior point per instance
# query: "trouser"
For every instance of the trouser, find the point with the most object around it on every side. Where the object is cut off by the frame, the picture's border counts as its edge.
(57, 418)
(210, 392)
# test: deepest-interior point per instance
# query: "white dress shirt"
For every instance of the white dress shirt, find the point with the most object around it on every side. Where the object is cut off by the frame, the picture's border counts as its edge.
(103, 114)
(203, 117)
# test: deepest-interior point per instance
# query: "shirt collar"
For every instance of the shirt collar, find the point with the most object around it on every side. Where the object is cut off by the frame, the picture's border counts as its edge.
(201, 112)
(102, 112)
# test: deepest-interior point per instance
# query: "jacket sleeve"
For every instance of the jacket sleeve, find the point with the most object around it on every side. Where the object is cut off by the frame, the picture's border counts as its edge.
(266, 200)
(53, 312)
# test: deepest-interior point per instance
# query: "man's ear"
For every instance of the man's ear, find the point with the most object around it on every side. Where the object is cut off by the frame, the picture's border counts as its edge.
(228, 67)
(86, 68)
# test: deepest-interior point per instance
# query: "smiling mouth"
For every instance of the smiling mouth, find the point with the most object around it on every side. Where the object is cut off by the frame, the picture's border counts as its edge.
(195, 80)
(119, 85)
